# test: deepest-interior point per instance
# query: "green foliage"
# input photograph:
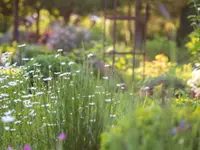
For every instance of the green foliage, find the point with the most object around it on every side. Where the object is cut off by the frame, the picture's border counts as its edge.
(97, 33)
(75, 103)
(31, 51)
(69, 98)
(48, 64)
(158, 45)
(28, 52)
(8, 48)
(7, 52)
(167, 81)
(195, 4)
(155, 128)
(23, 53)
(194, 46)
(162, 45)
(4, 27)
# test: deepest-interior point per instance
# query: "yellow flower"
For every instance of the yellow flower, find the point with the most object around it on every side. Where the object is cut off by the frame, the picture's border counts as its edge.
(169, 26)
(128, 56)
(158, 56)
(160, 65)
(118, 65)
(194, 40)
(14, 44)
(10, 71)
(123, 67)
(122, 60)
(190, 45)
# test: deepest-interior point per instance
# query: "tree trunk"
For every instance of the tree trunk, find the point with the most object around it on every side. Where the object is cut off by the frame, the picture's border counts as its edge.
(185, 25)
(5, 24)
(66, 13)
(16, 20)
(38, 25)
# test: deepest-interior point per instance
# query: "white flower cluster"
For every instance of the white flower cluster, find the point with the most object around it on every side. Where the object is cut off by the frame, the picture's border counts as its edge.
(8, 118)
(194, 82)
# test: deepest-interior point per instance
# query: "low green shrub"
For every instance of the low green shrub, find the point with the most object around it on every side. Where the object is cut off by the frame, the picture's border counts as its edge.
(22, 53)
(159, 45)
(162, 45)
(155, 128)
(167, 81)
(194, 46)
(50, 64)
(27, 52)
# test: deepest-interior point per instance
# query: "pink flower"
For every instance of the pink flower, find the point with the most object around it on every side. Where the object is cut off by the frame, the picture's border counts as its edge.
(27, 147)
(9, 148)
(62, 136)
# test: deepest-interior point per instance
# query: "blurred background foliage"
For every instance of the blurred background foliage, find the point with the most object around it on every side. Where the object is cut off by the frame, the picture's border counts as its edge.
(77, 27)
(46, 35)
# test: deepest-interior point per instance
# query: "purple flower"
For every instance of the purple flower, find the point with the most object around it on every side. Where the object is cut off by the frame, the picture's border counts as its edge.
(173, 131)
(9, 148)
(62, 136)
(27, 147)
(181, 123)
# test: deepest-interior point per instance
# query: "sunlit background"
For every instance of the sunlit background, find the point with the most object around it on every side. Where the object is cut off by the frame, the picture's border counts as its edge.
(70, 78)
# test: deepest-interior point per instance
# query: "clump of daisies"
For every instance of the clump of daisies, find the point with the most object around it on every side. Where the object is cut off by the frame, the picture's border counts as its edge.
(194, 82)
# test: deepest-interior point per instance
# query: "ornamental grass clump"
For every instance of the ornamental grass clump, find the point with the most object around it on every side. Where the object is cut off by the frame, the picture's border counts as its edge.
(37, 105)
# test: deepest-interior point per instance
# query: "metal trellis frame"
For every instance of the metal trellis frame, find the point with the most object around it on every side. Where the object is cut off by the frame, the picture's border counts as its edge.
(129, 17)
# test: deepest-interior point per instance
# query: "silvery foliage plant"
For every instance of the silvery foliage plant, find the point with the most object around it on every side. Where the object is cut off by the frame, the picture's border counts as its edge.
(68, 37)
